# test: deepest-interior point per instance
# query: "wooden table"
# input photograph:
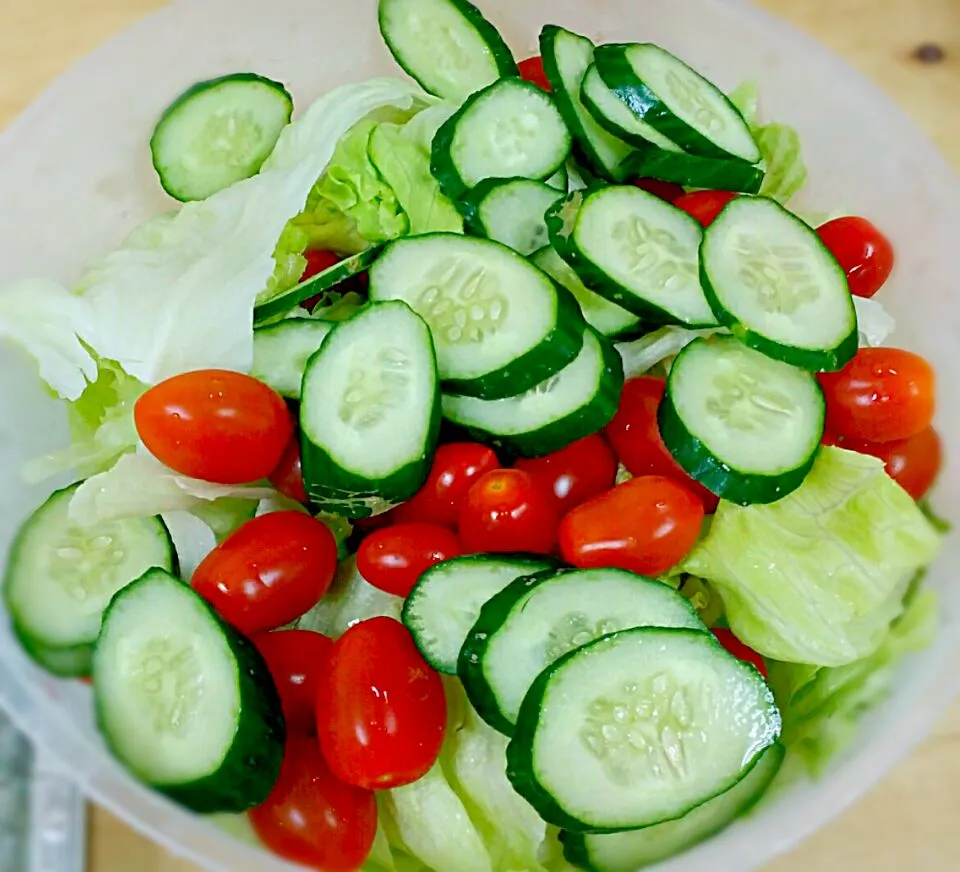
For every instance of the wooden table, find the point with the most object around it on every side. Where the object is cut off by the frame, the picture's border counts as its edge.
(909, 821)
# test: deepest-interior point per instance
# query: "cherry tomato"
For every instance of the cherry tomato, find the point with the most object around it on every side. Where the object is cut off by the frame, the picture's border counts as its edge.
(296, 659)
(646, 525)
(456, 466)
(664, 190)
(531, 70)
(288, 476)
(381, 710)
(883, 394)
(317, 261)
(394, 558)
(268, 572)
(704, 205)
(313, 818)
(507, 510)
(582, 470)
(634, 434)
(739, 650)
(865, 254)
(215, 425)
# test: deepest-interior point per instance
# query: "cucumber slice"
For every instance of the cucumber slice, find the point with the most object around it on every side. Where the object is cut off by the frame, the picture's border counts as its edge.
(682, 105)
(637, 728)
(218, 133)
(510, 129)
(499, 324)
(636, 250)
(605, 317)
(745, 426)
(628, 852)
(575, 402)
(695, 171)
(535, 621)
(281, 352)
(184, 701)
(770, 279)
(566, 58)
(446, 45)
(510, 211)
(370, 412)
(447, 598)
(60, 577)
(560, 179)
(279, 305)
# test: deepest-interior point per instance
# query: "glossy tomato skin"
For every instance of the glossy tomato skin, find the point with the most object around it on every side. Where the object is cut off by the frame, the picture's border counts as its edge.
(456, 466)
(742, 652)
(882, 395)
(313, 818)
(268, 572)
(318, 260)
(664, 190)
(576, 473)
(214, 424)
(646, 525)
(704, 205)
(634, 433)
(296, 659)
(393, 558)
(865, 254)
(507, 511)
(531, 70)
(288, 475)
(381, 709)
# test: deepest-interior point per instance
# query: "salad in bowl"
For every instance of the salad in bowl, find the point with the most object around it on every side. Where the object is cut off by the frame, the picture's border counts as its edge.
(546, 495)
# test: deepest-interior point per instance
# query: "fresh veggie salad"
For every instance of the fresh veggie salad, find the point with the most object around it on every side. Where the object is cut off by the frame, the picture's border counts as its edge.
(487, 473)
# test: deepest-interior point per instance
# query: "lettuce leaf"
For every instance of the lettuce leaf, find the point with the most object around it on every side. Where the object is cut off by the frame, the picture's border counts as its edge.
(193, 540)
(874, 322)
(643, 354)
(818, 576)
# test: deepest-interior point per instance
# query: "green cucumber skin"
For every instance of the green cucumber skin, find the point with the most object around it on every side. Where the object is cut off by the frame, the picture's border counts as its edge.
(694, 171)
(619, 77)
(252, 766)
(583, 422)
(469, 205)
(499, 50)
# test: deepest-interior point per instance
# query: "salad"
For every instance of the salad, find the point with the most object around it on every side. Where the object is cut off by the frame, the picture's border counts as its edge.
(492, 470)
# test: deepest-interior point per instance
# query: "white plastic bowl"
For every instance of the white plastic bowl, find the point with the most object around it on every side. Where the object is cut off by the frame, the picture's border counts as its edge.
(75, 175)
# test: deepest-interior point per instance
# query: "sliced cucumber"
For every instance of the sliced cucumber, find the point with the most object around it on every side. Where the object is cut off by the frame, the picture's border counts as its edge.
(695, 171)
(60, 577)
(770, 279)
(510, 211)
(510, 129)
(566, 58)
(218, 133)
(636, 250)
(535, 621)
(638, 728)
(185, 702)
(682, 105)
(560, 179)
(370, 412)
(281, 352)
(446, 45)
(605, 317)
(279, 305)
(745, 426)
(628, 852)
(447, 599)
(499, 324)
(575, 402)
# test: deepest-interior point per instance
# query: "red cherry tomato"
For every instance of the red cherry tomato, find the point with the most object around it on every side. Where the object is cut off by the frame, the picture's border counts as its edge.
(883, 394)
(318, 261)
(507, 510)
(531, 70)
(635, 436)
(664, 190)
(313, 818)
(381, 710)
(296, 659)
(215, 425)
(646, 525)
(865, 254)
(582, 470)
(456, 466)
(268, 572)
(288, 476)
(704, 205)
(394, 558)
(739, 650)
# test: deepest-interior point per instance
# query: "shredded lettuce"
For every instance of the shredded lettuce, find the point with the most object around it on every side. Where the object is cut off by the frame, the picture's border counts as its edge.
(224, 514)
(873, 321)
(193, 540)
(643, 354)
(818, 576)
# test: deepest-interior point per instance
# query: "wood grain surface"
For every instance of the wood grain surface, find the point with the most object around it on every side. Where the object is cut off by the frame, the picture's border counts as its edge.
(909, 821)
